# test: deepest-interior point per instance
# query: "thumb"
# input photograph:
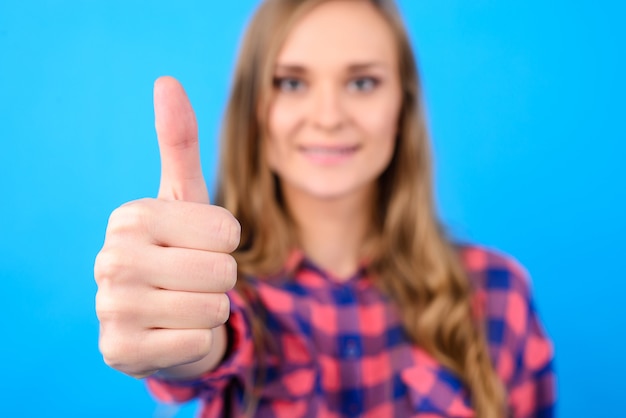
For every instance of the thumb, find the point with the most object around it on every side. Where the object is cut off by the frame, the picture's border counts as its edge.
(177, 132)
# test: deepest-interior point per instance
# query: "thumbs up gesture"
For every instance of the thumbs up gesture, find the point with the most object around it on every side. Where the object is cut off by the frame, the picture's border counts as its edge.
(165, 266)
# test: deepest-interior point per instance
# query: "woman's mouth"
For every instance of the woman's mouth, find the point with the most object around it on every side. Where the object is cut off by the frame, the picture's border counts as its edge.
(328, 154)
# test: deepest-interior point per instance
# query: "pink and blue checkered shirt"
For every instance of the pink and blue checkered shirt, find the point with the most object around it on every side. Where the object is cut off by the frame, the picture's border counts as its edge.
(342, 351)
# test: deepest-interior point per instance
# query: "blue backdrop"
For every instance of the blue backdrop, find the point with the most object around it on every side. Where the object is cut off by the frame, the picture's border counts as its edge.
(526, 107)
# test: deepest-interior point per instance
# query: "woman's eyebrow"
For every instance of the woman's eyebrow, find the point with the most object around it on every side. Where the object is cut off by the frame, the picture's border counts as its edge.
(364, 66)
(291, 68)
(352, 67)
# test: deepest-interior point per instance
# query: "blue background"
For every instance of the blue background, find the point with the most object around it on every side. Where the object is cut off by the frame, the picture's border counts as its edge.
(526, 107)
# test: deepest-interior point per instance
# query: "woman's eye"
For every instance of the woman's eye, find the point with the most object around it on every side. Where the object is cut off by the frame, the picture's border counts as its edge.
(363, 84)
(288, 84)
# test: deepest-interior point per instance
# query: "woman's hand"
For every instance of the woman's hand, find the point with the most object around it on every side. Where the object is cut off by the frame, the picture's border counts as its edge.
(165, 266)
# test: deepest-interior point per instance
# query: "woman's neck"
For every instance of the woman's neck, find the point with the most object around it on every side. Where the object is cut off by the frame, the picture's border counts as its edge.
(332, 231)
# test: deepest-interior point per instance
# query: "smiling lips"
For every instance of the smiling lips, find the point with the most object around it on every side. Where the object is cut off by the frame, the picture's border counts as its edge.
(328, 154)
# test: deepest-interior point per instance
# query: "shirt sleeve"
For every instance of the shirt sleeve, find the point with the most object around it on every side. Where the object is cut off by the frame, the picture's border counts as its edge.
(211, 386)
(531, 386)
(532, 389)
(520, 349)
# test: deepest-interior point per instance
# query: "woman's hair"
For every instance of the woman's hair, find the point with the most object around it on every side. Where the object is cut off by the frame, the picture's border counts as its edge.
(411, 258)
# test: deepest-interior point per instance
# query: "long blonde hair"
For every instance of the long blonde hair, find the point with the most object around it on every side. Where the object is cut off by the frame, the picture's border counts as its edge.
(412, 259)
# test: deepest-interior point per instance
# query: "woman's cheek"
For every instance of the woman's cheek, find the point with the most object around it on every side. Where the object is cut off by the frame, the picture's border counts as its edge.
(283, 124)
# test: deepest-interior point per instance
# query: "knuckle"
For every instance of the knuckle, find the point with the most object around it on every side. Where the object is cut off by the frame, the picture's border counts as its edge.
(116, 306)
(229, 230)
(235, 233)
(110, 266)
(114, 351)
(102, 306)
(130, 218)
(230, 273)
(120, 353)
(225, 271)
(108, 309)
(222, 310)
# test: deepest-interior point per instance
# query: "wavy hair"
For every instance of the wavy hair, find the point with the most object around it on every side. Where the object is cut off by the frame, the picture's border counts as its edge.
(412, 259)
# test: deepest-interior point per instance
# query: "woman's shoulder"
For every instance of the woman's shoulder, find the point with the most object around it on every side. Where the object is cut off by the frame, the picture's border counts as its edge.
(492, 270)
(501, 293)
(521, 350)
(502, 298)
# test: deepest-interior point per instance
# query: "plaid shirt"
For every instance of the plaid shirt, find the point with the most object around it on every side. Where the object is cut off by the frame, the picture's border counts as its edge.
(342, 352)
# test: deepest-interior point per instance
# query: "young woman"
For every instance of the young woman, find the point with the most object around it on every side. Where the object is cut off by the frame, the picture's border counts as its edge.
(349, 298)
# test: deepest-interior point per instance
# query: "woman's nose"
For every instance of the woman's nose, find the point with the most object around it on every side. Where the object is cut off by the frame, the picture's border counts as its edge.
(328, 111)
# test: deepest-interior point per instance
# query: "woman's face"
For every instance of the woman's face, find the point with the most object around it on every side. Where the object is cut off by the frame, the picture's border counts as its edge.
(334, 115)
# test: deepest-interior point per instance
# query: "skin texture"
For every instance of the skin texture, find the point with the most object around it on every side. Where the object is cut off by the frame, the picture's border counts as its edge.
(329, 98)
(333, 123)
(165, 265)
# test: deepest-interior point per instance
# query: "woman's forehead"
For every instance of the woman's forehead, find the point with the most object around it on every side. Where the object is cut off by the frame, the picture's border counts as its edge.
(339, 32)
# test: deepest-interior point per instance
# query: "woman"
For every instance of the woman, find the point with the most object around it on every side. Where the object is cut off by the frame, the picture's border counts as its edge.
(349, 299)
